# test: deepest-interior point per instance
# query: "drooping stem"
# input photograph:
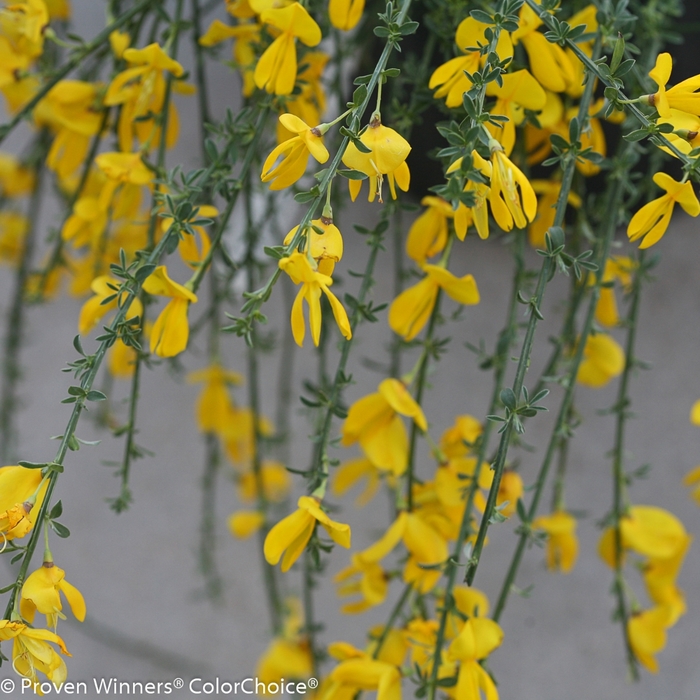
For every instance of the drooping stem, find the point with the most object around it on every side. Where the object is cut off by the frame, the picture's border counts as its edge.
(618, 473)
(546, 272)
(131, 451)
(500, 363)
(269, 572)
(612, 204)
(14, 328)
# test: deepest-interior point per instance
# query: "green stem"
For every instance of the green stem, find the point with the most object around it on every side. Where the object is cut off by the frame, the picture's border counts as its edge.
(320, 470)
(421, 376)
(131, 451)
(618, 473)
(269, 572)
(612, 203)
(500, 363)
(89, 374)
(546, 273)
(14, 329)
(393, 616)
(250, 156)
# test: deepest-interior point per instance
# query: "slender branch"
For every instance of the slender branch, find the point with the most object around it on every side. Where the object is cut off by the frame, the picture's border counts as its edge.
(269, 572)
(614, 196)
(131, 451)
(546, 272)
(14, 328)
(619, 480)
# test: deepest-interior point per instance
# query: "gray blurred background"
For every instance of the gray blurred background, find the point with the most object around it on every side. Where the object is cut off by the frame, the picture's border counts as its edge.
(147, 618)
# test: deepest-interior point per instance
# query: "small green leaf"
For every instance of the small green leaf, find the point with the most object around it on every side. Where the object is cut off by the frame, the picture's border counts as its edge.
(32, 465)
(60, 530)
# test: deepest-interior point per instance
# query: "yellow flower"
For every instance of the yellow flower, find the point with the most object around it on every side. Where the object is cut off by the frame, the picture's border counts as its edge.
(692, 478)
(374, 421)
(510, 489)
(290, 535)
(213, 408)
(387, 155)
(41, 592)
(326, 248)
(660, 580)
(312, 283)
(345, 14)
(509, 206)
(276, 483)
(245, 523)
(69, 109)
(15, 178)
(294, 152)
(603, 359)
(119, 41)
(18, 508)
(310, 104)
(372, 585)
(285, 658)
(449, 78)
(549, 62)
(682, 97)
(349, 473)
(32, 652)
(94, 308)
(23, 24)
(647, 530)
(13, 228)
(647, 635)
(616, 268)
(276, 71)
(428, 233)
(477, 214)
(246, 35)
(121, 169)
(453, 480)
(364, 673)
(469, 602)
(58, 9)
(562, 543)
(171, 331)
(518, 91)
(458, 439)
(410, 311)
(425, 545)
(478, 638)
(695, 413)
(652, 220)
(140, 90)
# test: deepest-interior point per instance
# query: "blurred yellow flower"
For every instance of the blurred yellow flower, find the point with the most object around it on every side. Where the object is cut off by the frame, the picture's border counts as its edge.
(290, 535)
(562, 543)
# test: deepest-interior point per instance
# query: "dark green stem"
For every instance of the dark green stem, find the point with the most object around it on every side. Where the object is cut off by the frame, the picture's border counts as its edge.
(14, 329)
(618, 473)
(612, 203)
(546, 272)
